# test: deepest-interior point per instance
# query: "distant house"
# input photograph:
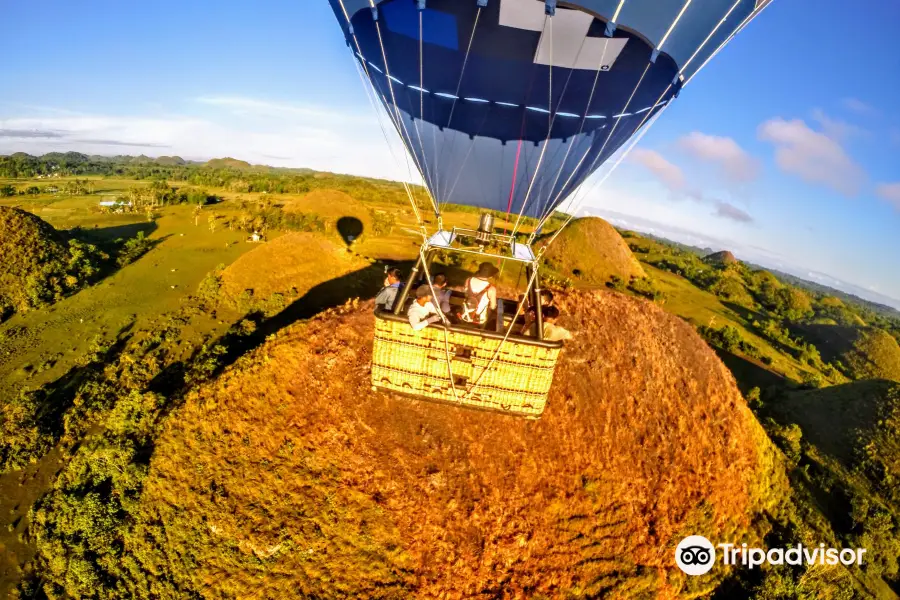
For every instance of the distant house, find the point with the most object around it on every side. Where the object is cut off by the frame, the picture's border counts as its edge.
(51, 189)
(117, 206)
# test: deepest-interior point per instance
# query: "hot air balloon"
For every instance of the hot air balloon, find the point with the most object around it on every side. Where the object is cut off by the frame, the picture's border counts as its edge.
(510, 106)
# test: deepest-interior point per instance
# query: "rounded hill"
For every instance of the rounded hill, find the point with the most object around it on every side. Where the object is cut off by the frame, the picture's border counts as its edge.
(865, 352)
(291, 264)
(292, 476)
(31, 253)
(334, 206)
(592, 251)
(723, 259)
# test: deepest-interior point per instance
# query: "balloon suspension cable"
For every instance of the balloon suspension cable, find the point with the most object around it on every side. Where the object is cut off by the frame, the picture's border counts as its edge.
(405, 131)
(603, 179)
(427, 174)
(602, 148)
(379, 118)
(549, 207)
(366, 87)
(443, 201)
(756, 12)
(519, 308)
(444, 321)
(547, 20)
(650, 113)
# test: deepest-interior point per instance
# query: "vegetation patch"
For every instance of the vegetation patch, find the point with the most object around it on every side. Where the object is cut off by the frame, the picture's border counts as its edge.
(39, 266)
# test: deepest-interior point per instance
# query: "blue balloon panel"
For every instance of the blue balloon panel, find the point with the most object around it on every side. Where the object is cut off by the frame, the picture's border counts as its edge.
(507, 108)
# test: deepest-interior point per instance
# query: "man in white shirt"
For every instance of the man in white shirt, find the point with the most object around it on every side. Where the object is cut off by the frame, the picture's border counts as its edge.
(481, 295)
(422, 312)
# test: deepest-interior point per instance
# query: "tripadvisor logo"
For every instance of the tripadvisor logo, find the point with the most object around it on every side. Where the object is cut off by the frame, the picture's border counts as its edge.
(696, 555)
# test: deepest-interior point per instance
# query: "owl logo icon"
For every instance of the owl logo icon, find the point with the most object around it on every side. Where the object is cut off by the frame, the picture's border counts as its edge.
(695, 555)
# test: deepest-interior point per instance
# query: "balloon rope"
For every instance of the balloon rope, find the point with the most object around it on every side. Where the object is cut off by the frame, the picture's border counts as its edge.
(650, 113)
(368, 78)
(512, 185)
(434, 298)
(427, 174)
(608, 137)
(550, 116)
(378, 117)
(408, 138)
(443, 201)
(711, 33)
(606, 175)
(587, 108)
(739, 28)
(672, 26)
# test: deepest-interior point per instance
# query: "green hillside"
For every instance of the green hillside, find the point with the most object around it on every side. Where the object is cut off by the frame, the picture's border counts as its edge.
(863, 352)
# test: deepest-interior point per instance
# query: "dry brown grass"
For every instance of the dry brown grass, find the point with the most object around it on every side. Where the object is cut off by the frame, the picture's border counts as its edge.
(294, 260)
(591, 250)
(288, 477)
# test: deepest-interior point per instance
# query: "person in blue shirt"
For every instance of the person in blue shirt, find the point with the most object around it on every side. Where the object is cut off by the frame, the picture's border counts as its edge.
(393, 282)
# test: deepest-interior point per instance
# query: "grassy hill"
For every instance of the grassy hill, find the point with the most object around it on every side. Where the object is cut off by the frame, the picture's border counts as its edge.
(591, 251)
(865, 352)
(288, 266)
(228, 163)
(33, 256)
(723, 258)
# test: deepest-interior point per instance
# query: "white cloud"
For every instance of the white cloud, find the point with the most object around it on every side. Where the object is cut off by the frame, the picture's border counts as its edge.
(812, 156)
(858, 106)
(736, 164)
(890, 193)
(837, 129)
(671, 175)
(264, 108)
(730, 211)
(257, 131)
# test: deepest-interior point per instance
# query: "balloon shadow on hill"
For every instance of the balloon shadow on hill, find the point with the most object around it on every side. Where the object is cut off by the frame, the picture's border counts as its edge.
(251, 330)
(107, 235)
(123, 244)
(749, 316)
(349, 228)
(751, 374)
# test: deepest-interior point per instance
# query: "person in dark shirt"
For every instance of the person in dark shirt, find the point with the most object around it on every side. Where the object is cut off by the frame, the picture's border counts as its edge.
(393, 282)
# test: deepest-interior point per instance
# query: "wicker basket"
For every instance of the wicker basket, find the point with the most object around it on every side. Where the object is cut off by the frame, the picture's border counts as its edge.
(415, 363)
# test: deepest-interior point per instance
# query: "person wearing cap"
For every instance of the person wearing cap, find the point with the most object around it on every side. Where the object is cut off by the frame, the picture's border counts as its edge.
(422, 312)
(481, 295)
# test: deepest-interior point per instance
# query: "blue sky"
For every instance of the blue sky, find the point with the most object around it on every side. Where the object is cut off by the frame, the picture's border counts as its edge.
(784, 149)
